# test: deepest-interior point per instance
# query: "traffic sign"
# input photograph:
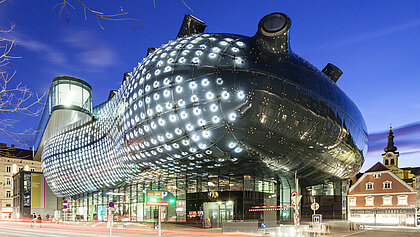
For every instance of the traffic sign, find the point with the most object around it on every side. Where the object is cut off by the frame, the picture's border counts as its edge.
(315, 206)
(111, 204)
(64, 207)
(65, 201)
(263, 225)
(317, 218)
(293, 196)
(160, 198)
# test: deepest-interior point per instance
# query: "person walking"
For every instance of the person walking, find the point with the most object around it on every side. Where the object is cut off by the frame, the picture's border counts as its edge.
(39, 220)
(33, 220)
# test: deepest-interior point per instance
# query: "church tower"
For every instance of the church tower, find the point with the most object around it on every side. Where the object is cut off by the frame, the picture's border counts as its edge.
(390, 157)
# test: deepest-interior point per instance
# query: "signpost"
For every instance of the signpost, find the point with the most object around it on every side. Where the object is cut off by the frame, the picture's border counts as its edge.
(110, 217)
(160, 199)
(295, 200)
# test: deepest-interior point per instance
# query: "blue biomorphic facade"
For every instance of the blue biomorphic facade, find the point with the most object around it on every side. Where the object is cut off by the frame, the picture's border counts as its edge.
(213, 104)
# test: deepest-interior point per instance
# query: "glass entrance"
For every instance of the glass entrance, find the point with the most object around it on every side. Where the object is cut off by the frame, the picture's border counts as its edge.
(217, 212)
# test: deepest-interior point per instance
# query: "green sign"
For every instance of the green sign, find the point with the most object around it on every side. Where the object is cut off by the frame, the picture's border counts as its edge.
(160, 198)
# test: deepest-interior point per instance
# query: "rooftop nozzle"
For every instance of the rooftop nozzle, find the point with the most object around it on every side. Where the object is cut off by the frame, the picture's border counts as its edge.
(191, 25)
(273, 33)
(332, 72)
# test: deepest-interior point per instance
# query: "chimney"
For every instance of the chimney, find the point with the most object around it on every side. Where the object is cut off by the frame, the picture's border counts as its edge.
(30, 148)
(3, 145)
(13, 146)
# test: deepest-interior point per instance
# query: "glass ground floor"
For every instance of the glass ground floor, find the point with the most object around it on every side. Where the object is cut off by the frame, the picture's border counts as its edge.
(201, 200)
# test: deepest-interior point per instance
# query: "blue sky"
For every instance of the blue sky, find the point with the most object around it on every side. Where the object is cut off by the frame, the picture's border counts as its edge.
(375, 43)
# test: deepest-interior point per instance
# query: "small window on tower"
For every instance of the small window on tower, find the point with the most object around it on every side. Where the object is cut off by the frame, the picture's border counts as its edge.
(386, 162)
(392, 161)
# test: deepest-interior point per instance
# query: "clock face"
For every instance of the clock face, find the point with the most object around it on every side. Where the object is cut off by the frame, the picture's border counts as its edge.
(389, 155)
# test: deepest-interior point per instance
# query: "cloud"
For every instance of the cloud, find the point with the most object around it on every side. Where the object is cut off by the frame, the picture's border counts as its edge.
(375, 34)
(89, 49)
(406, 137)
(50, 53)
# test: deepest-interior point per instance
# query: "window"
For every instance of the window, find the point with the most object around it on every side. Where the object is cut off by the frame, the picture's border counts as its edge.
(387, 184)
(8, 194)
(402, 200)
(8, 169)
(392, 161)
(32, 170)
(353, 201)
(8, 181)
(8, 205)
(387, 201)
(386, 162)
(369, 201)
(20, 169)
(369, 186)
(377, 176)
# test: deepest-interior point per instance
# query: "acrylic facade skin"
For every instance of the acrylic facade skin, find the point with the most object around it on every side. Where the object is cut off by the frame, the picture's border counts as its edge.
(213, 104)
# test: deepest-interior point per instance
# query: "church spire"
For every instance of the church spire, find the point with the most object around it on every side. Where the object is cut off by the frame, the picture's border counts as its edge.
(390, 147)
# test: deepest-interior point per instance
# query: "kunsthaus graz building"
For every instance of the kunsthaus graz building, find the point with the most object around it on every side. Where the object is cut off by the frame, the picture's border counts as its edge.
(222, 121)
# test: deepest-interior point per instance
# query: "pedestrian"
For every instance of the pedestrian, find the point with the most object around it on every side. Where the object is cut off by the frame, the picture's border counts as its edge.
(39, 220)
(33, 219)
(47, 217)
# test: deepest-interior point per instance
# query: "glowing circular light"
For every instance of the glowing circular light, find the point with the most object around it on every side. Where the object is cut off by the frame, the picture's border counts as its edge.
(206, 134)
(212, 55)
(159, 108)
(209, 95)
(147, 88)
(166, 81)
(181, 102)
(238, 149)
(156, 96)
(190, 46)
(148, 76)
(195, 137)
(225, 95)
(183, 115)
(238, 60)
(201, 122)
(178, 89)
(178, 131)
(215, 119)
(219, 81)
(160, 63)
(181, 60)
(208, 152)
(166, 93)
(171, 60)
(234, 49)
(147, 100)
(241, 95)
(156, 84)
(199, 53)
(163, 55)
(193, 85)
(169, 135)
(157, 72)
(194, 98)
(213, 108)
(202, 146)
(168, 105)
(153, 125)
(232, 116)
(189, 127)
(195, 60)
(205, 82)
(197, 111)
(185, 52)
(178, 79)
(232, 144)
(161, 122)
(176, 146)
(167, 69)
(172, 118)
(185, 142)
(216, 50)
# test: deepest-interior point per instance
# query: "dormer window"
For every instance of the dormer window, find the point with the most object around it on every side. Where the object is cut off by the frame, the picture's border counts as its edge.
(376, 176)
(369, 186)
(387, 185)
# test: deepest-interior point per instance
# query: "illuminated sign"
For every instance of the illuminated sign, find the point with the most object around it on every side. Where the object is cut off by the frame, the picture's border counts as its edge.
(160, 198)
(213, 194)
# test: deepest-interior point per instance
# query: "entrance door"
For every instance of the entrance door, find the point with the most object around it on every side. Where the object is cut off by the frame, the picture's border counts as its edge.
(401, 219)
(217, 212)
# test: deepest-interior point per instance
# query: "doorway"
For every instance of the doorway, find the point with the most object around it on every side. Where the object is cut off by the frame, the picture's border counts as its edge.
(217, 212)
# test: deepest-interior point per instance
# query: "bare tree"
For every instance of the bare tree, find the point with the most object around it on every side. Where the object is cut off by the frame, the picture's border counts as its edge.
(14, 98)
(65, 4)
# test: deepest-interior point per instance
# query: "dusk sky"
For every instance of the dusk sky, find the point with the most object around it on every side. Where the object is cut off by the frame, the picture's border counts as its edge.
(376, 44)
